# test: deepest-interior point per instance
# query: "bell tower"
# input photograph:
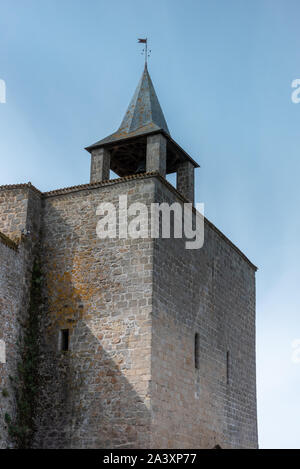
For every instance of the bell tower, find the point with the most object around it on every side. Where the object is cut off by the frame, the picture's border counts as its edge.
(143, 144)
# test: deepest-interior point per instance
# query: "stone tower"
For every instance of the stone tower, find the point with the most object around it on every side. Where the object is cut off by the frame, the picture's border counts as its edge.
(142, 343)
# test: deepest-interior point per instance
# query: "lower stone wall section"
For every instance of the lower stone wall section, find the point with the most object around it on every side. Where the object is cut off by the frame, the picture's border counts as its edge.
(11, 315)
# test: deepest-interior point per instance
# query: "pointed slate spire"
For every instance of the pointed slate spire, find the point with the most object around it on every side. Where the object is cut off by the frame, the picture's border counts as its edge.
(144, 108)
(144, 114)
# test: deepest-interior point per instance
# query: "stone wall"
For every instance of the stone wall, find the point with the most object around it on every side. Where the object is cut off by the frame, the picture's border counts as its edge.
(209, 292)
(11, 270)
(132, 308)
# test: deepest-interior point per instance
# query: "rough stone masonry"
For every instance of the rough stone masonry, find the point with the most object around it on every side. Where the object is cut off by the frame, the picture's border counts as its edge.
(142, 343)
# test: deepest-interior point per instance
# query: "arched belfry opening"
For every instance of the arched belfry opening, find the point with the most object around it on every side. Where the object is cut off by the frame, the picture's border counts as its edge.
(143, 144)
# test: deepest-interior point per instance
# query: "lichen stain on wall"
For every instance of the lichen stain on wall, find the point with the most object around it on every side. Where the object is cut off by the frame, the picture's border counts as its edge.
(75, 294)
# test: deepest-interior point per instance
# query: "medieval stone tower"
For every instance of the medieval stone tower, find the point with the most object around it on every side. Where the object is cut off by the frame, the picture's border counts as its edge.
(132, 343)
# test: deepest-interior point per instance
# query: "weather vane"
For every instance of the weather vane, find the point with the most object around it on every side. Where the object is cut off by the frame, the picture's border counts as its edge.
(145, 50)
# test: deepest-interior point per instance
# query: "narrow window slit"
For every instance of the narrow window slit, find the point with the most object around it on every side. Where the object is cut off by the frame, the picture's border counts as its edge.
(64, 340)
(227, 367)
(196, 351)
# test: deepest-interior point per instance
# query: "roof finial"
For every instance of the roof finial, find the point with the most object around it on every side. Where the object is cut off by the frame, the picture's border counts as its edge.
(145, 50)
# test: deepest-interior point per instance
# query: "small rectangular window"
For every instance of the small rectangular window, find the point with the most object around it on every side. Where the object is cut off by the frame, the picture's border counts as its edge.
(227, 367)
(64, 340)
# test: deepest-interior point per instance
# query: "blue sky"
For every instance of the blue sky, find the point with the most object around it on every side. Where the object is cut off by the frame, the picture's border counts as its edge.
(223, 73)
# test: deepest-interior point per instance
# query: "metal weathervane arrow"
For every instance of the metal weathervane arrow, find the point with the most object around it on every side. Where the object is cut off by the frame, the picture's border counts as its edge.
(145, 50)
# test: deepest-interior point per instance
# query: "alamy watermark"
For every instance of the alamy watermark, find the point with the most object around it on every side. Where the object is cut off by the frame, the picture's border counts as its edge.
(139, 220)
(296, 351)
(2, 92)
(295, 96)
